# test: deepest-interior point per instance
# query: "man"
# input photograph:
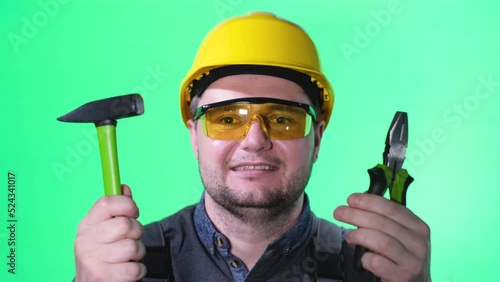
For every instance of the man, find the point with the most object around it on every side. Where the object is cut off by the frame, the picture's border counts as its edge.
(256, 105)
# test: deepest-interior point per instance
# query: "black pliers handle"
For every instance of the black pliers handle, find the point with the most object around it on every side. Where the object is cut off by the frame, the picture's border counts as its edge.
(390, 175)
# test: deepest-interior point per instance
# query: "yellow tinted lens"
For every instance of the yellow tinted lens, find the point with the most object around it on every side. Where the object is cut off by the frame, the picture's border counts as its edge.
(226, 122)
(287, 122)
(232, 122)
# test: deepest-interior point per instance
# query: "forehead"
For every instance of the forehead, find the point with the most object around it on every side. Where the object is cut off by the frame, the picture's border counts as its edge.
(253, 85)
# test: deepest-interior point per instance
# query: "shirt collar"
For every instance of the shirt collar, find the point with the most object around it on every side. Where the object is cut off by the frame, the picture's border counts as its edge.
(288, 242)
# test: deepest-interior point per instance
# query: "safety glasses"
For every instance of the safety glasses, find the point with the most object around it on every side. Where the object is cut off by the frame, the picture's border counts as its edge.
(279, 119)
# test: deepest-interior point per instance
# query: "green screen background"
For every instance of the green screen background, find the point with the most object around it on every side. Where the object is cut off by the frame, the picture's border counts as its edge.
(436, 60)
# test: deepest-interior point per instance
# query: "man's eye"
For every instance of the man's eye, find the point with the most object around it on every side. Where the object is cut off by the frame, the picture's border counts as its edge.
(282, 119)
(226, 120)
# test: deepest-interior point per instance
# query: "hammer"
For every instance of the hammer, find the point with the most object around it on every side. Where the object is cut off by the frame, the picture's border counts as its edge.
(104, 113)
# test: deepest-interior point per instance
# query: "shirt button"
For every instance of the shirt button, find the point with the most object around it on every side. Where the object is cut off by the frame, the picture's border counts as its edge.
(234, 263)
(219, 242)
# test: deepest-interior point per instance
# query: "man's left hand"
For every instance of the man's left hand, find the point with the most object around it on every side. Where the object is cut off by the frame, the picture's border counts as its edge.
(398, 239)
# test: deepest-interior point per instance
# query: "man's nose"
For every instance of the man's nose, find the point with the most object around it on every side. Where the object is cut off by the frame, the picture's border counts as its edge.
(257, 135)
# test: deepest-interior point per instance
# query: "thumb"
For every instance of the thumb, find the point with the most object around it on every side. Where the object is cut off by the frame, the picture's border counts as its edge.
(126, 190)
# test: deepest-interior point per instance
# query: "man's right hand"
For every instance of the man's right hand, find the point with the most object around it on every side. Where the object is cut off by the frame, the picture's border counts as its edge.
(108, 246)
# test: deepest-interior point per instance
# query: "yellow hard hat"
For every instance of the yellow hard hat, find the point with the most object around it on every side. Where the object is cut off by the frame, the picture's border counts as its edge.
(258, 39)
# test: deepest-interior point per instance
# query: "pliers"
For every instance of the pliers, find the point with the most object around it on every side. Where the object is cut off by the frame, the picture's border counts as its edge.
(390, 175)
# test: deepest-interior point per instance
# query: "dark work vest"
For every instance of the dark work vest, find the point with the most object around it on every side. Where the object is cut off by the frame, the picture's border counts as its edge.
(328, 259)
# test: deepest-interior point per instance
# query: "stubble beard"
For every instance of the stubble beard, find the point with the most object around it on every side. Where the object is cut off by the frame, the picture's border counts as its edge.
(258, 207)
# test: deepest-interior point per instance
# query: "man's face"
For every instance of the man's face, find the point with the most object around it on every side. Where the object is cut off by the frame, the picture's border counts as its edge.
(254, 173)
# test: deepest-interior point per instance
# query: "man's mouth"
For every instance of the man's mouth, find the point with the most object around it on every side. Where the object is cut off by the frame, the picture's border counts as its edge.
(254, 167)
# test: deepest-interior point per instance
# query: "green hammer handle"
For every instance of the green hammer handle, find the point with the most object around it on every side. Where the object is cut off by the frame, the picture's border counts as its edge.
(109, 159)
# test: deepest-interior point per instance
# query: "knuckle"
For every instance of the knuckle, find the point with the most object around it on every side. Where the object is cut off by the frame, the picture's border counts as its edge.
(82, 226)
(103, 202)
(413, 270)
(134, 271)
(131, 208)
(384, 243)
(380, 223)
(393, 209)
(136, 230)
(81, 244)
(141, 249)
(141, 229)
(123, 225)
(422, 250)
(131, 246)
(421, 247)
(373, 262)
(425, 230)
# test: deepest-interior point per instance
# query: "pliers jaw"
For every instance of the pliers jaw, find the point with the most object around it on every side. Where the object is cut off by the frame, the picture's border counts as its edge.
(396, 142)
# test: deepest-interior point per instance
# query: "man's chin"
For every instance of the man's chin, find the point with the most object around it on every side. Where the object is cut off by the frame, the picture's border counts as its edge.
(256, 196)
(245, 204)
(261, 202)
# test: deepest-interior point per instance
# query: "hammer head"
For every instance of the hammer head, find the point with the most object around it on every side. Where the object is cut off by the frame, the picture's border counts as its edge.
(109, 109)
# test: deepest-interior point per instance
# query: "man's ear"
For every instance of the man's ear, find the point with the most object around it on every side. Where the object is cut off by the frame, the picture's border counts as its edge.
(194, 138)
(318, 134)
